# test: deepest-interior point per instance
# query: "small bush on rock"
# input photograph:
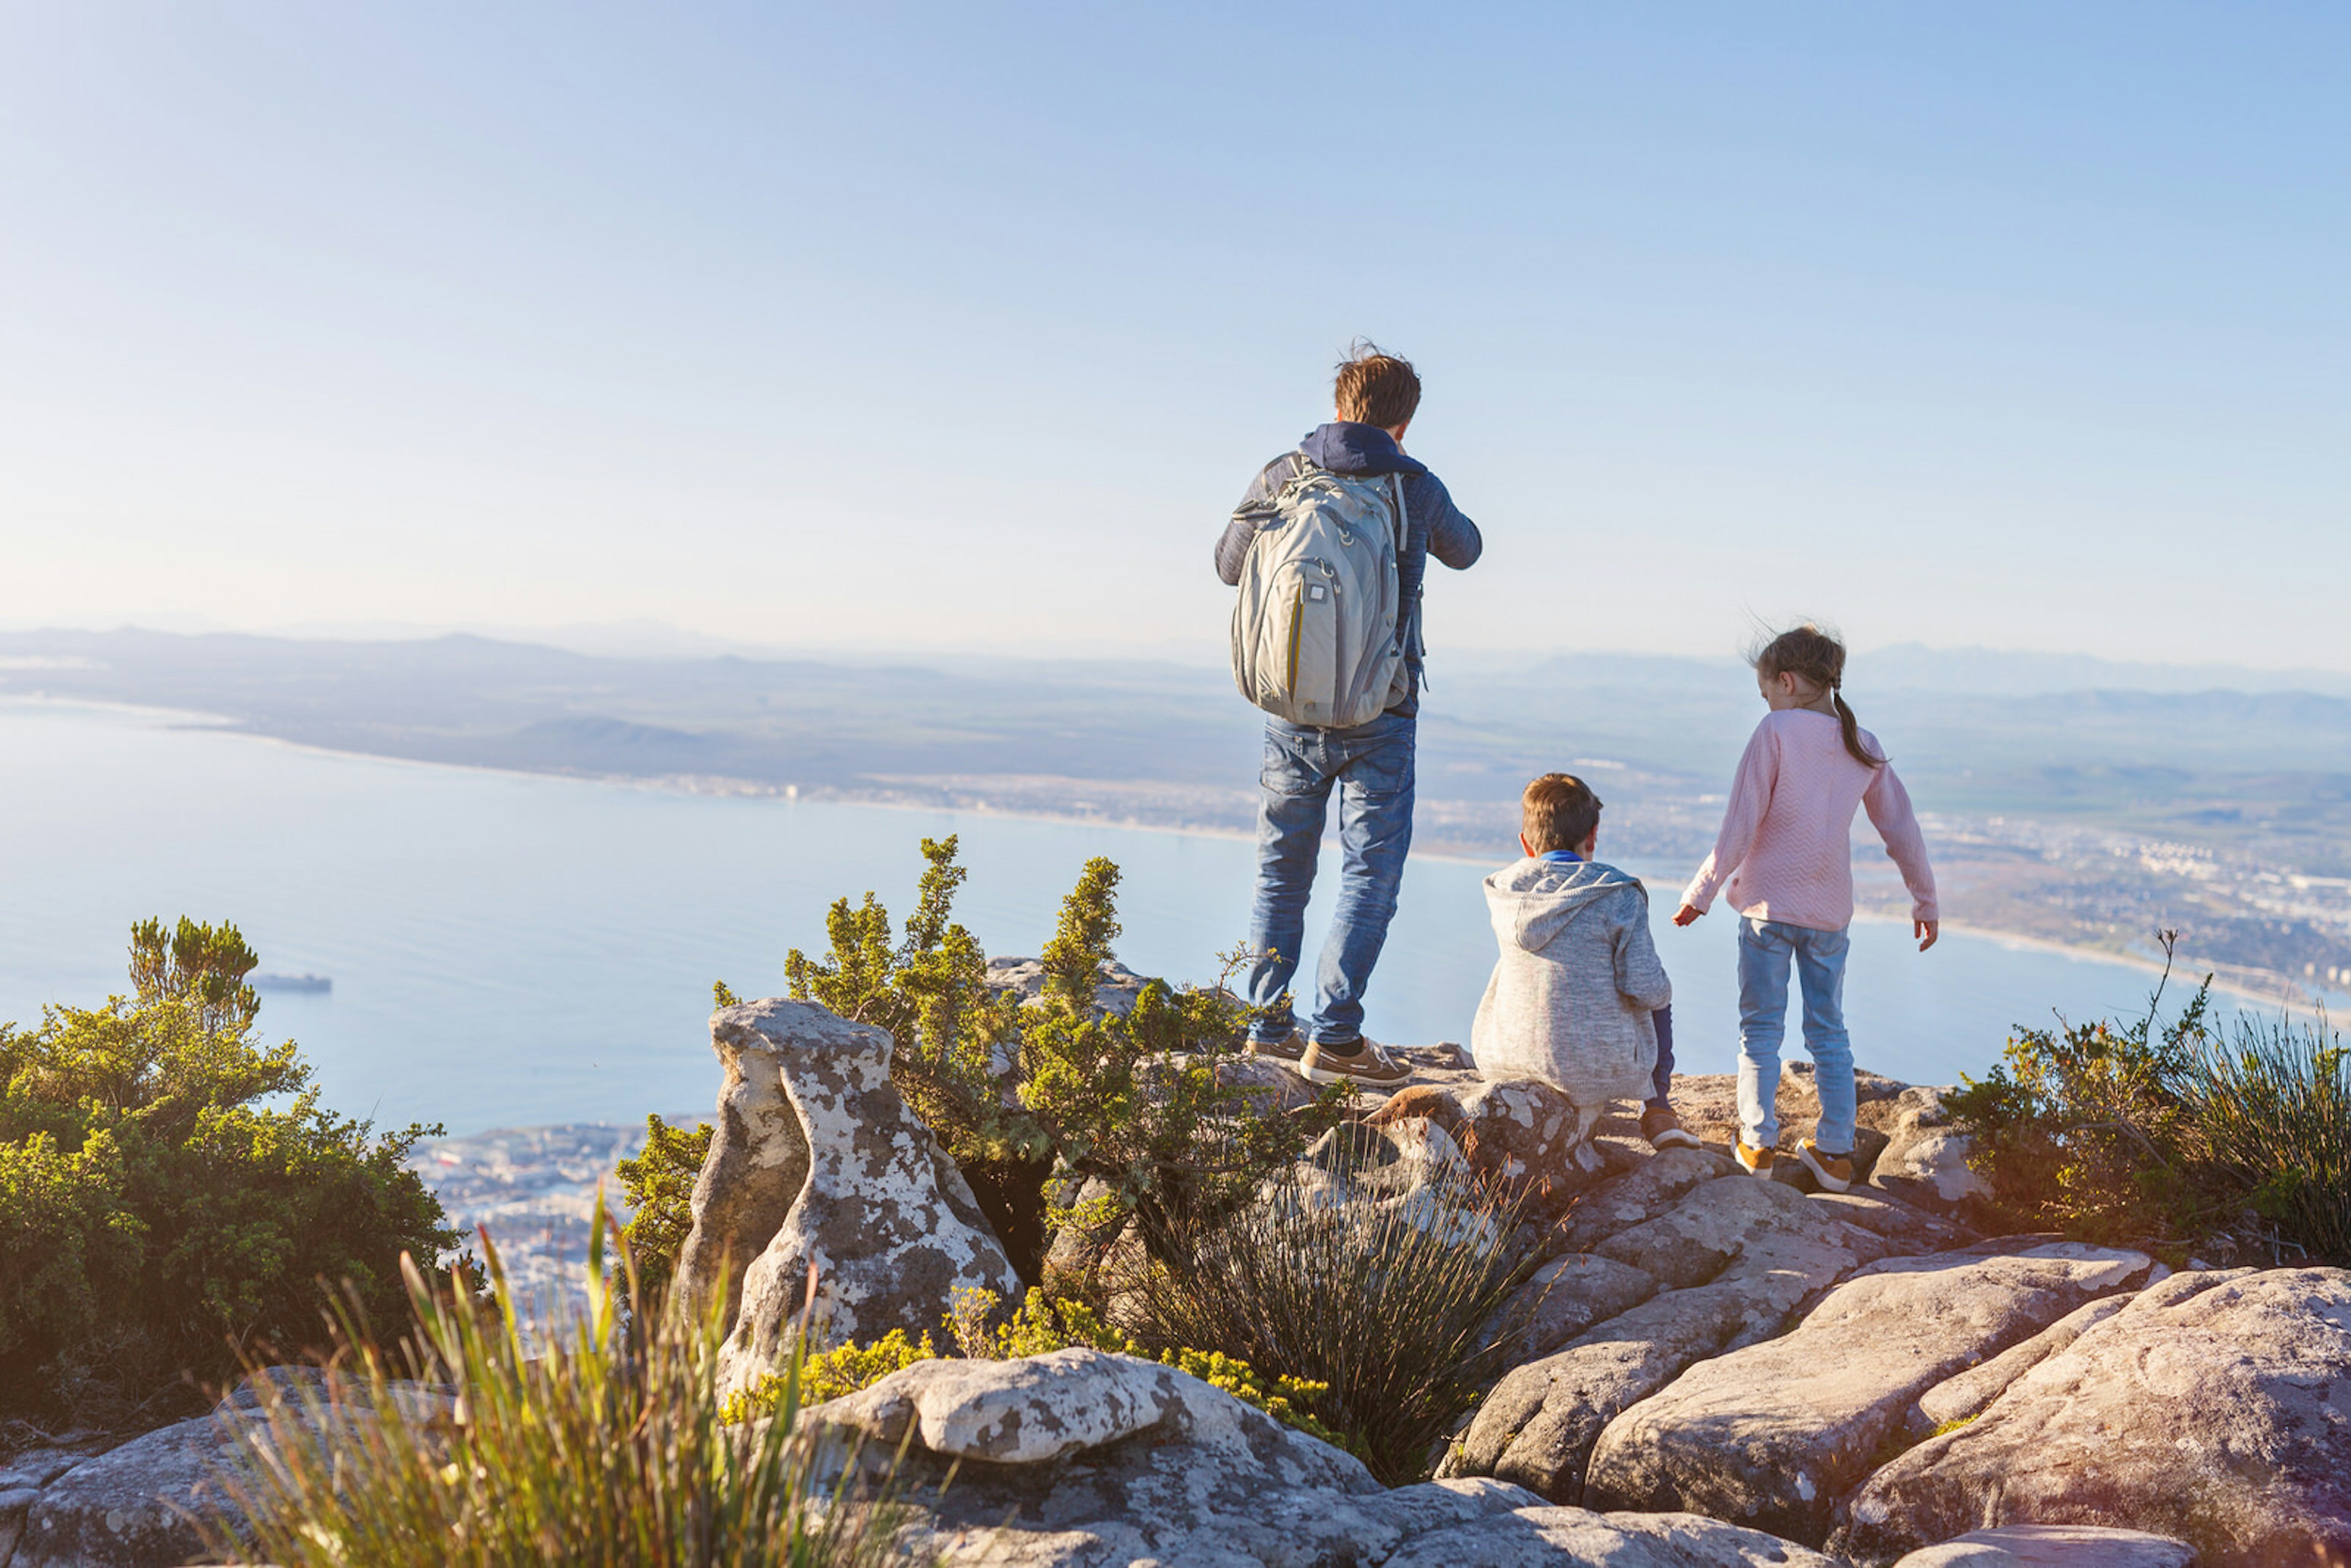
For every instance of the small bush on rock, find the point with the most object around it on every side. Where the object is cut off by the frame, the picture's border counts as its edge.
(1039, 1327)
(2182, 1134)
(1133, 1102)
(172, 1191)
(607, 1446)
(1390, 1302)
(658, 1183)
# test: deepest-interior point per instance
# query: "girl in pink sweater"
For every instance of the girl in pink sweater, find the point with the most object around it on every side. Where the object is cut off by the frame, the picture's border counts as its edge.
(1786, 855)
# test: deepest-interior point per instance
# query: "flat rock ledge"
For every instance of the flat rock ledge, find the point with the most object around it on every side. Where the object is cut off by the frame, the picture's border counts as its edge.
(1082, 1460)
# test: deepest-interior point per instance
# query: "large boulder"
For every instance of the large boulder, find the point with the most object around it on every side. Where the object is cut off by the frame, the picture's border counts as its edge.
(1925, 1160)
(2215, 1407)
(2054, 1546)
(1738, 1255)
(1522, 1137)
(1565, 1297)
(1775, 1432)
(144, 1504)
(883, 1221)
(1080, 1460)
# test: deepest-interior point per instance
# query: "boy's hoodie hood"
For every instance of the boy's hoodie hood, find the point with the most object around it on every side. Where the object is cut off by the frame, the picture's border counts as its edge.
(1344, 447)
(1533, 900)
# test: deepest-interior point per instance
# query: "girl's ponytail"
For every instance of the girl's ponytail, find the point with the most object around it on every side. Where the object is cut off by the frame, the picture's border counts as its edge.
(1811, 654)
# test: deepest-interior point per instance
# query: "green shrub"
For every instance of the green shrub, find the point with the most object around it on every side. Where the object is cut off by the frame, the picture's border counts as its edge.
(2178, 1134)
(605, 1448)
(172, 1191)
(1038, 1327)
(1394, 1307)
(660, 1186)
(1134, 1102)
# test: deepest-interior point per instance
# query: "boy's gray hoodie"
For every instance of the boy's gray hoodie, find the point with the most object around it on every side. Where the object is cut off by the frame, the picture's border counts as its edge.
(1578, 977)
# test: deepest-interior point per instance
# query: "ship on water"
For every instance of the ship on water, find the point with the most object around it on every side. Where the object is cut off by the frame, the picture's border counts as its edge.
(313, 983)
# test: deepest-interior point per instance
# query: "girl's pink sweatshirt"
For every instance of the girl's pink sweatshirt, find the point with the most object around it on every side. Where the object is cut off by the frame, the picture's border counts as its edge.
(1786, 845)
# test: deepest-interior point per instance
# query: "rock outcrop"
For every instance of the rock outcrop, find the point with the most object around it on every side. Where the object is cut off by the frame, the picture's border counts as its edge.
(2215, 1407)
(882, 1219)
(1522, 1138)
(1082, 1458)
(1775, 1433)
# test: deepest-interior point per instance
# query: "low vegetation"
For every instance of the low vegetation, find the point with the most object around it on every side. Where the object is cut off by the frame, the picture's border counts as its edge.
(172, 1191)
(979, 1329)
(608, 1446)
(1392, 1306)
(1133, 1103)
(2186, 1134)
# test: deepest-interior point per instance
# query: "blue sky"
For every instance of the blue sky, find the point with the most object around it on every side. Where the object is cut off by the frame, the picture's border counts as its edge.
(893, 326)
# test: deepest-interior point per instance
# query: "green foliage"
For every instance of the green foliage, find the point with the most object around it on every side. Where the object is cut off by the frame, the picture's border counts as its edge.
(720, 997)
(1136, 1101)
(1038, 1327)
(603, 1448)
(660, 1186)
(172, 1191)
(930, 992)
(2177, 1134)
(1391, 1306)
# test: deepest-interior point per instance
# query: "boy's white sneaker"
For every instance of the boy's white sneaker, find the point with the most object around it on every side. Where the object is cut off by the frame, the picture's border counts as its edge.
(1833, 1172)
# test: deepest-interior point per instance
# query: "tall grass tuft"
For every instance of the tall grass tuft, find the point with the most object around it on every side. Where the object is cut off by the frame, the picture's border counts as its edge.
(607, 1449)
(2272, 1107)
(1392, 1302)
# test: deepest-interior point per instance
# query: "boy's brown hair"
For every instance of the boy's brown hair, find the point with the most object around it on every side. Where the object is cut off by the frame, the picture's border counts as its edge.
(1374, 388)
(1557, 811)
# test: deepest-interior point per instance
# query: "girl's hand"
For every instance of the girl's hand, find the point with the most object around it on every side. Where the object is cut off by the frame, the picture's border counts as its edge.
(1686, 913)
(1926, 931)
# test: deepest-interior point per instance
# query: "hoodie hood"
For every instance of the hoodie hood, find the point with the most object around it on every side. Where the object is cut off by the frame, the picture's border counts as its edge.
(1348, 448)
(1531, 900)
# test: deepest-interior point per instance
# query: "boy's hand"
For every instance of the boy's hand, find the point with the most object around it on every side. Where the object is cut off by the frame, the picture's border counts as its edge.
(1926, 931)
(1686, 913)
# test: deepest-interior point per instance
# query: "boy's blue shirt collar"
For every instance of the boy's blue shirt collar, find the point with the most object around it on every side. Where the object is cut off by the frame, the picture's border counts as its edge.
(1561, 857)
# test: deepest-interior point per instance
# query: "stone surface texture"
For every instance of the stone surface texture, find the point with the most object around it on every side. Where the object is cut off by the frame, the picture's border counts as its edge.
(1925, 1161)
(136, 1506)
(882, 1217)
(1521, 1137)
(1080, 1460)
(2054, 1546)
(2214, 1407)
(1775, 1433)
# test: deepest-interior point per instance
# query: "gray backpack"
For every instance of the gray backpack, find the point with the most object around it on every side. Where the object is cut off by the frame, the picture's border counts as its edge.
(1317, 636)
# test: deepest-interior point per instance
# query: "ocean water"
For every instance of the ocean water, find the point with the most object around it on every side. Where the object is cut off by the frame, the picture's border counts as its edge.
(512, 950)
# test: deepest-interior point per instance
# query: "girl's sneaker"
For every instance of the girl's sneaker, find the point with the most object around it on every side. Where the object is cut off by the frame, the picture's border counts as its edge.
(1757, 1161)
(1833, 1172)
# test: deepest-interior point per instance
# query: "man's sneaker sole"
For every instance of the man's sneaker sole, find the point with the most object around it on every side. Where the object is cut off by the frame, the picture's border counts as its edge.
(1817, 1163)
(1371, 1069)
(1290, 1051)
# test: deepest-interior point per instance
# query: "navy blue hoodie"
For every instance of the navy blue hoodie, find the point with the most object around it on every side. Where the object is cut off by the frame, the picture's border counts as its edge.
(1433, 524)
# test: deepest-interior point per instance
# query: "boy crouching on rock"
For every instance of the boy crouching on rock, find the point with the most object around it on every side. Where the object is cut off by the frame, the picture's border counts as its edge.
(1578, 997)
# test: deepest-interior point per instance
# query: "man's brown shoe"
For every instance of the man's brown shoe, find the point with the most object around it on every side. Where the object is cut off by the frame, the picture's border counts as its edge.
(1757, 1161)
(1833, 1172)
(1359, 1062)
(1290, 1048)
(1664, 1130)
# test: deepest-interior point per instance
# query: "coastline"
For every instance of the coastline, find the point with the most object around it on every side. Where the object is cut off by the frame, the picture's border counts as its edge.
(2294, 995)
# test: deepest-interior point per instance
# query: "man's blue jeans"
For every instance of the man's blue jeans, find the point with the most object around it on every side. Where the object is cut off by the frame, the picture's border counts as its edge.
(1765, 950)
(1370, 766)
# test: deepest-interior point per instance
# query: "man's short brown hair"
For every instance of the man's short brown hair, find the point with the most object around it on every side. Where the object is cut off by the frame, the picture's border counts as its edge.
(1378, 389)
(1557, 811)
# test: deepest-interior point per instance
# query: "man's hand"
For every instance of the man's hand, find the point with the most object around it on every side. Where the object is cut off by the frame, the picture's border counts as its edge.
(1686, 913)
(1926, 931)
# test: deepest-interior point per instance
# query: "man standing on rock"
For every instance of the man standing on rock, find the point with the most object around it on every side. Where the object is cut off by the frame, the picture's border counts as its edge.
(1329, 547)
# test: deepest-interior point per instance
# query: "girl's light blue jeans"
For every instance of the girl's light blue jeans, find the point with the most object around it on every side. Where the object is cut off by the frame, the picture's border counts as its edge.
(1765, 950)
